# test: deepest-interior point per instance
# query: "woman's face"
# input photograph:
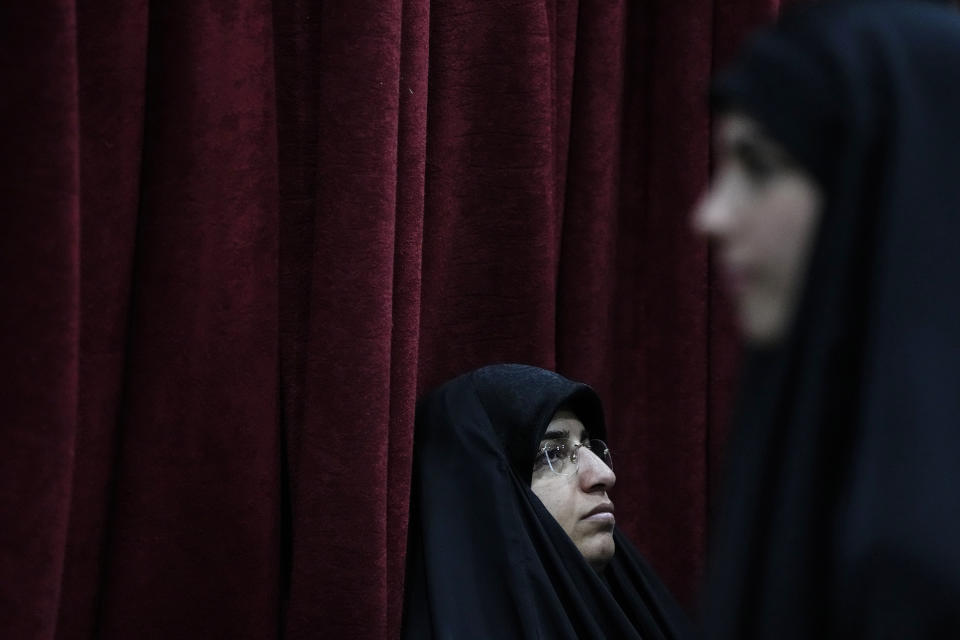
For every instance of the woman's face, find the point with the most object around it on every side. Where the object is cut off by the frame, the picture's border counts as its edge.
(578, 501)
(761, 211)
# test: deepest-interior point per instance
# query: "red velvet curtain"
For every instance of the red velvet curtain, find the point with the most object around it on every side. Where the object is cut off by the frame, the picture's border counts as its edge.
(239, 238)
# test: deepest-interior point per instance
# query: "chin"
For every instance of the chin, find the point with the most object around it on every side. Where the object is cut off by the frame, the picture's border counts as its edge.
(600, 550)
(763, 320)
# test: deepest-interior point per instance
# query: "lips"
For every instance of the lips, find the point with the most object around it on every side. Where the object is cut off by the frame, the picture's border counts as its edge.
(602, 511)
(739, 276)
(735, 280)
(735, 273)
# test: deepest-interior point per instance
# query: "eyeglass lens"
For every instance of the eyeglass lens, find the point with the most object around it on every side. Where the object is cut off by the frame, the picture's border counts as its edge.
(564, 458)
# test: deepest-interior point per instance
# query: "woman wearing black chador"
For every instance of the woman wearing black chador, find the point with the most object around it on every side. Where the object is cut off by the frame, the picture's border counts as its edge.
(512, 526)
(835, 213)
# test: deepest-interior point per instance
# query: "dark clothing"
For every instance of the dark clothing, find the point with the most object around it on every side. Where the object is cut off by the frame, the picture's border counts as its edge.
(842, 509)
(485, 557)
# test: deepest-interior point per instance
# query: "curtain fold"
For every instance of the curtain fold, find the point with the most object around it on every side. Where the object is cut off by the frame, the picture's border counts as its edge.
(40, 298)
(112, 64)
(193, 524)
(239, 239)
(351, 433)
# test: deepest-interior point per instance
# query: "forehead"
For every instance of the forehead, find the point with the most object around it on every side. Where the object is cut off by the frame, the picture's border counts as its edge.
(734, 127)
(739, 136)
(564, 422)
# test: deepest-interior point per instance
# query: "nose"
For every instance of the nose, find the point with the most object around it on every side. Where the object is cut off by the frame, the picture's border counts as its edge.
(594, 473)
(713, 215)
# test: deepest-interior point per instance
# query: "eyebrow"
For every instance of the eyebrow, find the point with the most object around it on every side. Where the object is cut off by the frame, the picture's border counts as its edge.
(746, 143)
(758, 145)
(732, 145)
(564, 434)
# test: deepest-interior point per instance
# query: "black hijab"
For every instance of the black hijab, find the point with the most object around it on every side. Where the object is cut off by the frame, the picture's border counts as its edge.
(842, 510)
(485, 558)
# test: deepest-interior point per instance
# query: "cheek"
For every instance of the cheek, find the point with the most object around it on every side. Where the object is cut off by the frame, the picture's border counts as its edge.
(778, 222)
(556, 494)
(779, 244)
(786, 231)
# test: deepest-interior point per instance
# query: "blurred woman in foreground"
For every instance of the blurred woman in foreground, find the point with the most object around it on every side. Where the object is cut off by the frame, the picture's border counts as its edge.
(835, 213)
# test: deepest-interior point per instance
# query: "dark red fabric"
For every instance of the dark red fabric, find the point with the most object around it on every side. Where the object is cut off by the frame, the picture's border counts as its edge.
(238, 239)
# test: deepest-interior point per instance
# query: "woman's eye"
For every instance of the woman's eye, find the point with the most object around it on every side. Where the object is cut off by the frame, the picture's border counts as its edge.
(757, 167)
(556, 453)
(757, 161)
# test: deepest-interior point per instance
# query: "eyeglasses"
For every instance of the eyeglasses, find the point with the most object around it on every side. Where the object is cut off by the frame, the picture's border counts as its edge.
(563, 458)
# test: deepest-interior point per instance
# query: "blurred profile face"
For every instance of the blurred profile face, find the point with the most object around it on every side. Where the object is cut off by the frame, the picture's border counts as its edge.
(578, 501)
(761, 211)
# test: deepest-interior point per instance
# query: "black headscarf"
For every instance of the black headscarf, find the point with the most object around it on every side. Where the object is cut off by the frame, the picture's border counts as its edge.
(485, 558)
(842, 510)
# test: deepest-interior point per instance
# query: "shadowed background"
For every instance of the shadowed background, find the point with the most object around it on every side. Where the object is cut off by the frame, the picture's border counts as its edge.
(240, 238)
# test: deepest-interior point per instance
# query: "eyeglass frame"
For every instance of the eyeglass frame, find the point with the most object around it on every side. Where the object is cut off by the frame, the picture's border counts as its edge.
(574, 458)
